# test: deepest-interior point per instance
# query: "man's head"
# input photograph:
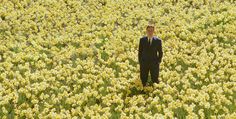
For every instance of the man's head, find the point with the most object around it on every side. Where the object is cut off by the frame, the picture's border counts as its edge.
(150, 29)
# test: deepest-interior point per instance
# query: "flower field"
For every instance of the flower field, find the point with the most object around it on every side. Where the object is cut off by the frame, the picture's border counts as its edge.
(64, 59)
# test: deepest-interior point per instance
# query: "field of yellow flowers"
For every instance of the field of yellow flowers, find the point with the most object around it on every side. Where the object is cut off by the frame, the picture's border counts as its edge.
(79, 59)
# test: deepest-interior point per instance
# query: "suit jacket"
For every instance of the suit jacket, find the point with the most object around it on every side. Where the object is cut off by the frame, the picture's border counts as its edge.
(150, 53)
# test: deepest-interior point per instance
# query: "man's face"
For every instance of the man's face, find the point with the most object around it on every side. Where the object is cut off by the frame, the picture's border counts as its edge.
(150, 31)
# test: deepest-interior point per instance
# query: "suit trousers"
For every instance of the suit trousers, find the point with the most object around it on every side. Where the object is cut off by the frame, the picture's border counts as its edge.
(153, 68)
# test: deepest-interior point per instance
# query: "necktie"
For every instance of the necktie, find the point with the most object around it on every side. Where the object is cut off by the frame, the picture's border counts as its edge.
(149, 41)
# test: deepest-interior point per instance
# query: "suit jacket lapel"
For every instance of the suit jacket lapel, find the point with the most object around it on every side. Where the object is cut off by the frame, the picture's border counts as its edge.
(153, 41)
(147, 41)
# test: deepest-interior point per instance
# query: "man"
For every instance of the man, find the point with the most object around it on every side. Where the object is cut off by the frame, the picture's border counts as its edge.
(150, 55)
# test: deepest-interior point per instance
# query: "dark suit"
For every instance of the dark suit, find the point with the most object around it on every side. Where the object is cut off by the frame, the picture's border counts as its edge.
(148, 58)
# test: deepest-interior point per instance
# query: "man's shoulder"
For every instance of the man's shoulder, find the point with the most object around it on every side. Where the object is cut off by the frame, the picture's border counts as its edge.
(143, 37)
(157, 38)
(154, 37)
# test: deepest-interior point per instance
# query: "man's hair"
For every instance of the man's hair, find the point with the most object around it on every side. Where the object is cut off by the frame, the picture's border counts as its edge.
(150, 24)
(149, 27)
